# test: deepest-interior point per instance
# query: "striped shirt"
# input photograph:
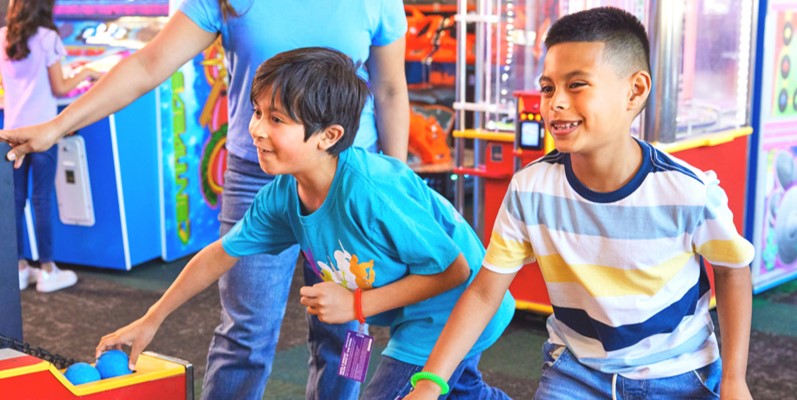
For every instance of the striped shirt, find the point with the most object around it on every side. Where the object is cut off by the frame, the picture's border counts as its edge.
(623, 269)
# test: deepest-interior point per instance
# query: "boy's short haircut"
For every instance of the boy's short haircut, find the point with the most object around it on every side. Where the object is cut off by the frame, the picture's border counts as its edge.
(316, 86)
(625, 38)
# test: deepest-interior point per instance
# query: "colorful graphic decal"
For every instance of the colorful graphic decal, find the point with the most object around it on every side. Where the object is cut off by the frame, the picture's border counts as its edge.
(346, 269)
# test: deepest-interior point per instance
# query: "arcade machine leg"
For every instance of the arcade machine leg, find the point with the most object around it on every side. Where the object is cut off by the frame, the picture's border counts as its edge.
(10, 307)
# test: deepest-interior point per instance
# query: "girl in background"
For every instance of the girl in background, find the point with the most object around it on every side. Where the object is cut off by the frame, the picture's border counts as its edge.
(32, 77)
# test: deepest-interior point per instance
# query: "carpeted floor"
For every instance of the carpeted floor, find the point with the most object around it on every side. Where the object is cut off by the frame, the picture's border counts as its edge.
(70, 323)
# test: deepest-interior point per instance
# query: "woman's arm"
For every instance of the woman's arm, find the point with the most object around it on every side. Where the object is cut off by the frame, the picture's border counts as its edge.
(334, 304)
(179, 41)
(391, 101)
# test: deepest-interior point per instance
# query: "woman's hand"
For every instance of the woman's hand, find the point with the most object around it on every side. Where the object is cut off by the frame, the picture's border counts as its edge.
(330, 302)
(31, 139)
(137, 335)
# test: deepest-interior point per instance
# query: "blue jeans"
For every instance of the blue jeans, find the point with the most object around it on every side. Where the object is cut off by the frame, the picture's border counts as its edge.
(253, 297)
(563, 377)
(40, 169)
(391, 381)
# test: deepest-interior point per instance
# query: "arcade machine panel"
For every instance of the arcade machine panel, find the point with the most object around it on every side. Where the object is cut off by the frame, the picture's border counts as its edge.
(72, 184)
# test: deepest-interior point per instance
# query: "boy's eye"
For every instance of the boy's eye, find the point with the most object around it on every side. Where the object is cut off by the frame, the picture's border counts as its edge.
(576, 85)
(257, 112)
(546, 89)
(276, 120)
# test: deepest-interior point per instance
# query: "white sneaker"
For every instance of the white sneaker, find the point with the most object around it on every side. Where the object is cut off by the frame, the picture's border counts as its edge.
(27, 275)
(57, 279)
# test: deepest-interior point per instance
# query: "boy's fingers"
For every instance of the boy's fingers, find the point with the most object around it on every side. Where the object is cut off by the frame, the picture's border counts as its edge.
(134, 353)
(308, 291)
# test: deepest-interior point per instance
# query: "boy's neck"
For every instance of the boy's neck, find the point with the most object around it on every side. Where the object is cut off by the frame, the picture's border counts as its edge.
(609, 168)
(313, 185)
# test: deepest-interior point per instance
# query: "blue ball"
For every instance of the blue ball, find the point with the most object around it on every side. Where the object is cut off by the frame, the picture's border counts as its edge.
(81, 372)
(113, 363)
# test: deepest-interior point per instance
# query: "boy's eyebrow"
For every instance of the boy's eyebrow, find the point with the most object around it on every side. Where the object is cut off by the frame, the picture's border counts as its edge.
(569, 75)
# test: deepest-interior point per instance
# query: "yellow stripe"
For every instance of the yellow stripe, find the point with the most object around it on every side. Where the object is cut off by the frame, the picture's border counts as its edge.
(603, 281)
(28, 369)
(545, 309)
(707, 140)
(507, 253)
(730, 252)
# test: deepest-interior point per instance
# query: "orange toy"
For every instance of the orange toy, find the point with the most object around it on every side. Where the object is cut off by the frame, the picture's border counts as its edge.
(428, 137)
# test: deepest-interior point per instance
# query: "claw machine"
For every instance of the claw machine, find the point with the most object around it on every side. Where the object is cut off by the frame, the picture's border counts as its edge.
(701, 69)
(772, 211)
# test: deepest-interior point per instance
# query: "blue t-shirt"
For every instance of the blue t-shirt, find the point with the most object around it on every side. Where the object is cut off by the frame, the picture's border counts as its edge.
(379, 223)
(268, 27)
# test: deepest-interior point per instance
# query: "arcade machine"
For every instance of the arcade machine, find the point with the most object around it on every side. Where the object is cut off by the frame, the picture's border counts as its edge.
(144, 182)
(707, 127)
(33, 373)
(772, 197)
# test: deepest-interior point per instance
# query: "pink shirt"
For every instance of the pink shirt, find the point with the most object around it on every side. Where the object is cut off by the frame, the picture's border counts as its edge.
(29, 98)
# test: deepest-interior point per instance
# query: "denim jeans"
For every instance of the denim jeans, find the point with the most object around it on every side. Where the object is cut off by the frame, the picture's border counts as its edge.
(563, 377)
(40, 169)
(391, 381)
(253, 298)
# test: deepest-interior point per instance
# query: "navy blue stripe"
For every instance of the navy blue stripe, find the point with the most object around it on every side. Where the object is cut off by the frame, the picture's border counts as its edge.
(616, 338)
(663, 163)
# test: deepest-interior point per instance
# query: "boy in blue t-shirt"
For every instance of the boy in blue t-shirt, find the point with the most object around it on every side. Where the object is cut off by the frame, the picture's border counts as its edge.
(619, 230)
(388, 247)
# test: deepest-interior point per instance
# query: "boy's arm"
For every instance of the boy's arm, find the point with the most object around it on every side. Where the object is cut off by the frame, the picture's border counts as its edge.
(734, 308)
(471, 315)
(334, 304)
(203, 269)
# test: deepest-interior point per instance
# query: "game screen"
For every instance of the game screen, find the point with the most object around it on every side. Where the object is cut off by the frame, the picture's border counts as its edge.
(110, 8)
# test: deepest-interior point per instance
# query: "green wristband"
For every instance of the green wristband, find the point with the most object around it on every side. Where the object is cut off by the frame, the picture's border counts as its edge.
(430, 376)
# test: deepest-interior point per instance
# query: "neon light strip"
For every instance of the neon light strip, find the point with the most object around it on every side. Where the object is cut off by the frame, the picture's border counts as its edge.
(161, 184)
(119, 193)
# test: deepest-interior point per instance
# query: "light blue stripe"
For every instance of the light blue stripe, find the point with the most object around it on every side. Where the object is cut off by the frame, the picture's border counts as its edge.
(619, 365)
(605, 220)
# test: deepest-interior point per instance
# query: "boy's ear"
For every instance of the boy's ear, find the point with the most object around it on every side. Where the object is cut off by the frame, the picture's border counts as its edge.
(331, 135)
(640, 89)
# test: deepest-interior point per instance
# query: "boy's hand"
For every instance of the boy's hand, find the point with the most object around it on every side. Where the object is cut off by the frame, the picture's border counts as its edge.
(137, 335)
(330, 302)
(424, 390)
(734, 389)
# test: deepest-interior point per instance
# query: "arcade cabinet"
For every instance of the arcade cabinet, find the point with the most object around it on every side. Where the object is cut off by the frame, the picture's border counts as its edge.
(144, 182)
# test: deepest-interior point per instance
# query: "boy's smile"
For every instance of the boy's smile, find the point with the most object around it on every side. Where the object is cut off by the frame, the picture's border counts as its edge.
(584, 99)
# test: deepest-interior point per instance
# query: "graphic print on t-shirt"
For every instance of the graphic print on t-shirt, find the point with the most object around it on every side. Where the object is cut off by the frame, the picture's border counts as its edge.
(346, 269)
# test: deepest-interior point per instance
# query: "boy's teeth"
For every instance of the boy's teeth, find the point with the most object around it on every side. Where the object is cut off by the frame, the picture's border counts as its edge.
(566, 125)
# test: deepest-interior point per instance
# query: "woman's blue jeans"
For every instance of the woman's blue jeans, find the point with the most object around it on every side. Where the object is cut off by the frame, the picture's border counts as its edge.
(253, 298)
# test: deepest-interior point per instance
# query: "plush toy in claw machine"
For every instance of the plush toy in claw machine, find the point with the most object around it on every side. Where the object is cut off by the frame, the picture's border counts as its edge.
(781, 249)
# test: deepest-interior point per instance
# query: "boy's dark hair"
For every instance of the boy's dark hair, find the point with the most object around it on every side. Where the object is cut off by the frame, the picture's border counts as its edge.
(24, 19)
(624, 36)
(316, 86)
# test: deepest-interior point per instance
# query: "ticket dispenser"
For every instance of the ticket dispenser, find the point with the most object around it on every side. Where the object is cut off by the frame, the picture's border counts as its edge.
(505, 153)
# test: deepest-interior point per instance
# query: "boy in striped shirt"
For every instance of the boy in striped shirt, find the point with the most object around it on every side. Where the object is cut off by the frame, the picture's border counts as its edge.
(619, 230)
